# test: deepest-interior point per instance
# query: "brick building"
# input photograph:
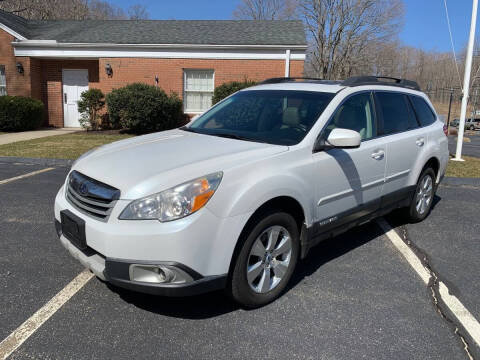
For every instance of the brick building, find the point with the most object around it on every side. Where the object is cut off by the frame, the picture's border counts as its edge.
(55, 61)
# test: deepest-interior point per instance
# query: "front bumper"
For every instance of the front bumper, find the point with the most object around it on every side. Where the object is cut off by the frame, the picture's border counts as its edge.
(202, 241)
(117, 272)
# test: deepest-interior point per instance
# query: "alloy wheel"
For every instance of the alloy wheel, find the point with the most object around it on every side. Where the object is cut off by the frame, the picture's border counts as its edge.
(269, 259)
(424, 194)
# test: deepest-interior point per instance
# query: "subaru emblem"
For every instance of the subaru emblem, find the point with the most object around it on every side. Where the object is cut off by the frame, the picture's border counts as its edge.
(83, 189)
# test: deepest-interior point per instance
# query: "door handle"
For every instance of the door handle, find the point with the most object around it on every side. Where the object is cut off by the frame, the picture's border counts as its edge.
(65, 97)
(420, 141)
(378, 154)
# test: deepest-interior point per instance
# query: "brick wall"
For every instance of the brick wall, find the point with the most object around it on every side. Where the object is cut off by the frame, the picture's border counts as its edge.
(17, 84)
(170, 71)
(42, 78)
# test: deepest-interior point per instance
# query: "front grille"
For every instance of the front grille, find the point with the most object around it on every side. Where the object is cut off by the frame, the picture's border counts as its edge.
(91, 197)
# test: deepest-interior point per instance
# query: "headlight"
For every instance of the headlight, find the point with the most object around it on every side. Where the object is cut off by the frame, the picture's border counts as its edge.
(174, 203)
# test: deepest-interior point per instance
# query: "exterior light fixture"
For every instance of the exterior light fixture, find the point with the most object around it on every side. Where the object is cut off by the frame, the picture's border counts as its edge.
(108, 69)
(20, 69)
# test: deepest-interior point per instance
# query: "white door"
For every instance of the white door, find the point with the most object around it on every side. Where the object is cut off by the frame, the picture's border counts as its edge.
(403, 137)
(350, 181)
(74, 83)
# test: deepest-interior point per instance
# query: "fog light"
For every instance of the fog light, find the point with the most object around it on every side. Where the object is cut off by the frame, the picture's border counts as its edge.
(150, 273)
(158, 274)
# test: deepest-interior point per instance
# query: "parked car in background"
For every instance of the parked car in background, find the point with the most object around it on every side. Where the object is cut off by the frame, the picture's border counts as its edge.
(472, 124)
(237, 197)
(454, 123)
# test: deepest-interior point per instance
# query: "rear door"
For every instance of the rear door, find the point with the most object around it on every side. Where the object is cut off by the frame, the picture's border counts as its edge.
(404, 139)
(350, 181)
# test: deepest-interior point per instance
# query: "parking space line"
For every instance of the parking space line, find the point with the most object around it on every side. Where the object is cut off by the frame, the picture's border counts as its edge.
(407, 253)
(33, 173)
(24, 331)
(468, 321)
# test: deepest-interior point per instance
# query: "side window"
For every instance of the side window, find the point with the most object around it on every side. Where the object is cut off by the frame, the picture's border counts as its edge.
(424, 113)
(356, 113)
(3, 81)
(397, 117)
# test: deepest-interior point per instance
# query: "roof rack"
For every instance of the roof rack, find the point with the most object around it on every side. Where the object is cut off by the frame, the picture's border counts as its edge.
(299, 79)
(380, 80)
(350, 82)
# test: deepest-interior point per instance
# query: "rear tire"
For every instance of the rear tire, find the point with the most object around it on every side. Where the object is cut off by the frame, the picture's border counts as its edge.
(266, 260)
(422, 200)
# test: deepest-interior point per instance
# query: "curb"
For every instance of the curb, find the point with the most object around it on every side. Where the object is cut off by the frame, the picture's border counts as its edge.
(36, 161)
(456, 181)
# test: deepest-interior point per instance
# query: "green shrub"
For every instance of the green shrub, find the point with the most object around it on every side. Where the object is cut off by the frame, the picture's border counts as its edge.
(144, 108)
(18, 113)
(227, 89)
(89, 106)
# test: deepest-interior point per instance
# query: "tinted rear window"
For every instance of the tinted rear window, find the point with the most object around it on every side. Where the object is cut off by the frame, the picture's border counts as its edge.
(396, 114)
(424, 113)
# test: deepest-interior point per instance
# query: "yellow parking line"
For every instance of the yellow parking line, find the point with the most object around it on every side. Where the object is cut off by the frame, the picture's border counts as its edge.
(33, 173)
(24, 331)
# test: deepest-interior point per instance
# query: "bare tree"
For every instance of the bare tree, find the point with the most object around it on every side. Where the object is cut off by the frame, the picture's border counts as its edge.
(266, 10)
(138, 12)
(103, 10)
(47, 9)
(70, 9)
(341, 32)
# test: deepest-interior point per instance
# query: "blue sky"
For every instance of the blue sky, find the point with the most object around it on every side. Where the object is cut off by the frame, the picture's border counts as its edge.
(425, 21)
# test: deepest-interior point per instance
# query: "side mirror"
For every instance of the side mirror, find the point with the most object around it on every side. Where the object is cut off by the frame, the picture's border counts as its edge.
(340, 138)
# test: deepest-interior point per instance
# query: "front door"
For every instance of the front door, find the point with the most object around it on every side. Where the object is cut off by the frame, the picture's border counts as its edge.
(350, 181)
(74, 83)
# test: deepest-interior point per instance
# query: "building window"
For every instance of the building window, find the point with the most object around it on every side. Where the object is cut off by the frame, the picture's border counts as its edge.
(3, 81)
(198, 90)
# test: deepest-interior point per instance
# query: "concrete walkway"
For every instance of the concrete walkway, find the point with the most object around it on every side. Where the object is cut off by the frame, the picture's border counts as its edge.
(36, 134)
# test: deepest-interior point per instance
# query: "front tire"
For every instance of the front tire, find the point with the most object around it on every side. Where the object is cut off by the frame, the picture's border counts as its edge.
(266, 260)
(423, 197)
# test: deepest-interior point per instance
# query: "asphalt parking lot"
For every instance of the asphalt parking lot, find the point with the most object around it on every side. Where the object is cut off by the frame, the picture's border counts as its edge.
(354, 297)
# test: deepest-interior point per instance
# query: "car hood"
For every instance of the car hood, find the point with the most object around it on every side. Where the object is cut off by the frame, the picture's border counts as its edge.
(147, 164)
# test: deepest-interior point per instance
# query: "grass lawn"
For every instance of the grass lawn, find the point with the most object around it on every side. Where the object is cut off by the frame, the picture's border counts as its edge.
(69, 146)
(470, 168)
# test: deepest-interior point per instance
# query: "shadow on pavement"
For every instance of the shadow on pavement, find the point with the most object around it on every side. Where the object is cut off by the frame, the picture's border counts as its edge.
(218, 303)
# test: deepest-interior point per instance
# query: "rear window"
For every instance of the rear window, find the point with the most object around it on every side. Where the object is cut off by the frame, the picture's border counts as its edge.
(397, 117)
(424, 113)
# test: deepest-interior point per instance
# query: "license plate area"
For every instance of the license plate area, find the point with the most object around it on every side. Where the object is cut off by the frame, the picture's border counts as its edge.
(73, 228)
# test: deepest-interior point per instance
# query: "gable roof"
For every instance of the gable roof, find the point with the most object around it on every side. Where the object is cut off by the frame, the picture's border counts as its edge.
(201, 32)
(16, 23)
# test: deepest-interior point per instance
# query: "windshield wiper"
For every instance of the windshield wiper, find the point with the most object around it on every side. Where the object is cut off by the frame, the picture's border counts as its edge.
(186, 128)
(236, 137)
(224, 135)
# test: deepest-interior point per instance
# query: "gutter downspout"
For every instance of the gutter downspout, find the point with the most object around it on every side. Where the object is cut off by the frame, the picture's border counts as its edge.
(287, 63)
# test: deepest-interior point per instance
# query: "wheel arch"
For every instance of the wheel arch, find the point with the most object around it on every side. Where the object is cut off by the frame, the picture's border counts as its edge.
(285, 203)
(434, 163)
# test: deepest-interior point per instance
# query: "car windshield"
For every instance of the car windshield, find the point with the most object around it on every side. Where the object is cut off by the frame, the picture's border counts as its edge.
(279, 117)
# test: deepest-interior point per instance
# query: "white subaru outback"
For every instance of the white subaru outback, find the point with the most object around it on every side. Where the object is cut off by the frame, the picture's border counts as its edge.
(234, 199)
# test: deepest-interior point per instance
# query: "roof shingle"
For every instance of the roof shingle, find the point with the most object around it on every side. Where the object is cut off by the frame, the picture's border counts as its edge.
(205, 32)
